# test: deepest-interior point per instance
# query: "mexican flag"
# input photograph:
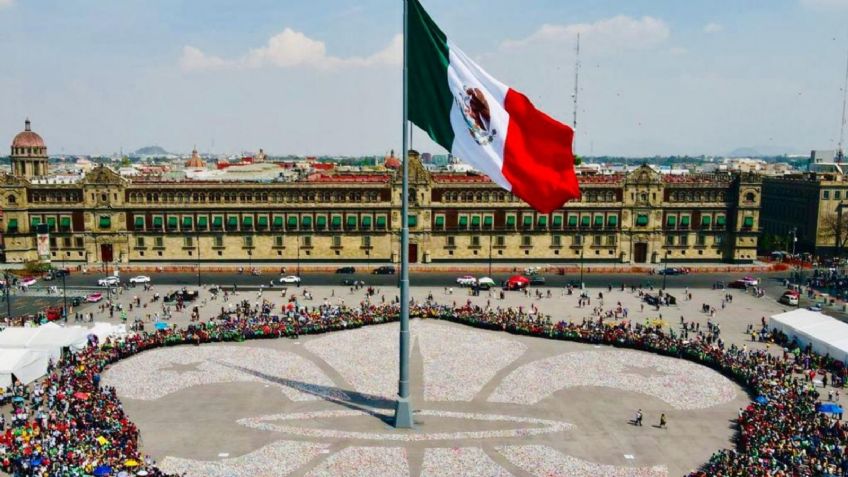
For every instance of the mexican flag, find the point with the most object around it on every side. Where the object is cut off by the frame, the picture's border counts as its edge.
(484, 122)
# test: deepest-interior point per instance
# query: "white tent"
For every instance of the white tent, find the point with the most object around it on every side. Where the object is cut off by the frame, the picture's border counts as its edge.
(826, 335)
(25, 364)
(107, 330)
(49, 337)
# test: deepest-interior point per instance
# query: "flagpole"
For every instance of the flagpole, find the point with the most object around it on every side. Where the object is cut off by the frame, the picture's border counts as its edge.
(403, 407)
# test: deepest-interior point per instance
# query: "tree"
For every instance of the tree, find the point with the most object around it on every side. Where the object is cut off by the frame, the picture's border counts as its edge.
(772, 243)
(577, 160)
(834, 231)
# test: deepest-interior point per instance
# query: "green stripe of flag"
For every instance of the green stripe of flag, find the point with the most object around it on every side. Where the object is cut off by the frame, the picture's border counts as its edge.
(430, 98)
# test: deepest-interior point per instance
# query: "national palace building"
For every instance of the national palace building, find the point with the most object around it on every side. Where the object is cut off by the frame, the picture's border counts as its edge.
(335, 216)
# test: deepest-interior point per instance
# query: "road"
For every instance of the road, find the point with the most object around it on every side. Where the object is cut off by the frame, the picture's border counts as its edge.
(695, 280)
(78, 284)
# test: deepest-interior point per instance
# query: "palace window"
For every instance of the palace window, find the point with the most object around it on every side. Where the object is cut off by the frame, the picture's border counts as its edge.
(337, 241)
(188, 242)
(279, 241)
(306, 241)
(139, 242)
(218, 241)
(597, 240)
(248, 241)
(526, 241)
(500, 241)
(450, 241)
(611, 240)
(366, 241)
(556, 240)
(159, 242)
(475, 241)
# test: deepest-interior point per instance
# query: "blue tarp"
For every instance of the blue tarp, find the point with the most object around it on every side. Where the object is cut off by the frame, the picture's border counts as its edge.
(830, 408)
(161, 325)
(102, 470)
(761, 400)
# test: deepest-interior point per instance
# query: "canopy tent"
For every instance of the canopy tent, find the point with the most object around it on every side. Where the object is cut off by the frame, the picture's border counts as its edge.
(49, 337)
(26, 365)
(826, 335)
(107, 330)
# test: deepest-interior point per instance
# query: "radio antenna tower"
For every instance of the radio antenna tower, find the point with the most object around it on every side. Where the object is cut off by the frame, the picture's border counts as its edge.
(577, 89)
(844, 100)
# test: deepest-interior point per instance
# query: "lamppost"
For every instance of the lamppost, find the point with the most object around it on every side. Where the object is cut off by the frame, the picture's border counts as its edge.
(64, 288)
(581, 265)
(665, 268)
(7, 289)
(490, 255)
(298, 255)
(197, 240)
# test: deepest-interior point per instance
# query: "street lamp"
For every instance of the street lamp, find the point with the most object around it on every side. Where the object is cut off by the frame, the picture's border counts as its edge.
(581, 265)
(490, 255)
(197, 239)
(665, 268)
(8, 296)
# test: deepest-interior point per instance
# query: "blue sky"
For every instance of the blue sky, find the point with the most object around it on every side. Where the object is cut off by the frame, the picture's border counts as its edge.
(323, 77)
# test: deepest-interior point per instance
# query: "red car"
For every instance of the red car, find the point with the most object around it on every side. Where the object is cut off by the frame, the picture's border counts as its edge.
(516, 282)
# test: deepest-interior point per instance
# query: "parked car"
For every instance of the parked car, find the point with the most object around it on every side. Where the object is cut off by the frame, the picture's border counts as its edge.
(750, 281)
(140, 279)
(484, 283)
(384, 270)
(76, 300)
(516, 282)
(466, 281)
(109, 281)
(57, 273)
(290, 280)
(94, 297)
(814, 308)
(346, 270)
(737, 284)
(181, 295)
(27, 281)
(790, 298)
(537, 280)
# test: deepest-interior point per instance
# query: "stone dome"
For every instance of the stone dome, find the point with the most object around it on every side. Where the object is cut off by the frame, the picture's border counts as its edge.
(27, 138)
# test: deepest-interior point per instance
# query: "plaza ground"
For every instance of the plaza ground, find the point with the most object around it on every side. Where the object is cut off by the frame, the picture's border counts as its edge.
(199, 423)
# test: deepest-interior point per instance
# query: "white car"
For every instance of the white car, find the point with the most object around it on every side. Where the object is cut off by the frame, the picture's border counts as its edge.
(750, 281)
(466, 281)
(27, 281)
(140, 279)
(290, 280)
(109, 281)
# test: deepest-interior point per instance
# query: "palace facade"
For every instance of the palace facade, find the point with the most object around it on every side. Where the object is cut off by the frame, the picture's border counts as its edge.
(639, 217)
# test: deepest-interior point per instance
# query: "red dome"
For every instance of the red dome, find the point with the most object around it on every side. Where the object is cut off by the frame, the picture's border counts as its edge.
(27, 138)
(392, 162)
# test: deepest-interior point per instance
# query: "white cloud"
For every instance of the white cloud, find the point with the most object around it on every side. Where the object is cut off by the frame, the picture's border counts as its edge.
(194, 59)
(713, 28)
(825, 4)
(610, 33)
(291, 49)
(6, 3)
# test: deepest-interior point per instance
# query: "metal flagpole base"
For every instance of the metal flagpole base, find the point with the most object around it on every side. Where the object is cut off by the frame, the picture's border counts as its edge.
(403, 414)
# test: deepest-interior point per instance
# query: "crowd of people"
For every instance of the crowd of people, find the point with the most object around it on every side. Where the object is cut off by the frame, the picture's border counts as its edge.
(68, 424)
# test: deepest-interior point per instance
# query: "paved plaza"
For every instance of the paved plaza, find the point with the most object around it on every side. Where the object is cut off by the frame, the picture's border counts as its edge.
(487, 403)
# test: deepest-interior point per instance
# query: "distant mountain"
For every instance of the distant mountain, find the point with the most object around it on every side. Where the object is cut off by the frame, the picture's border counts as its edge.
(763, 151)
(151, 151)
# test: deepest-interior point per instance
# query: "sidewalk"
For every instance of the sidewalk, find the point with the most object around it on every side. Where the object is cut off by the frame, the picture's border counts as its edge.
(461, 268)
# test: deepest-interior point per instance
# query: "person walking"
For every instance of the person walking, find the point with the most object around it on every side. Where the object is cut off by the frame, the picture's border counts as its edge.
(663, 423)
(637, 421)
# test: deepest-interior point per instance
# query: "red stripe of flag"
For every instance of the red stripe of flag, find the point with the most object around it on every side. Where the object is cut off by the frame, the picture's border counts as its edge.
(538, 160)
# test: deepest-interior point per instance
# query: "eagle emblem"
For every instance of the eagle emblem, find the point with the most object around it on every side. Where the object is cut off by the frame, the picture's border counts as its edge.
(475, 111)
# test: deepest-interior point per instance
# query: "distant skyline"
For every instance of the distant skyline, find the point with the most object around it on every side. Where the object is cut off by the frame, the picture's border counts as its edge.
(323, 77)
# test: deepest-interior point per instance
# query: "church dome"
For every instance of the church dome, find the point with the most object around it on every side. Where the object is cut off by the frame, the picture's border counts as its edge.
(27, 138)
(392, 162)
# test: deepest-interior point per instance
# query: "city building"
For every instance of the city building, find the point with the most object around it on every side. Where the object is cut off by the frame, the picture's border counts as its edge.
(806, 206)
(640, 216)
